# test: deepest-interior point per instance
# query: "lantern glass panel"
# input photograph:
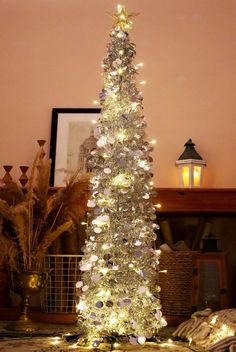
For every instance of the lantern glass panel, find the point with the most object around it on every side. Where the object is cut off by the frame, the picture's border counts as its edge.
(185, 176)
(197, 170)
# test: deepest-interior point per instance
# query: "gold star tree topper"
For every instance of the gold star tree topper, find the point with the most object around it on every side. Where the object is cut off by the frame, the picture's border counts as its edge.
(123, 18)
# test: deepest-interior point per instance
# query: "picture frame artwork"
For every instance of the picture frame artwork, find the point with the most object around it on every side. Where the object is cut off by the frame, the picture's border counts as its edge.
(73, 137)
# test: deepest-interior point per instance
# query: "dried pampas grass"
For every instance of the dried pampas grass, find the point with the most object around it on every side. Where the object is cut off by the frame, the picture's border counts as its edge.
(31, 219)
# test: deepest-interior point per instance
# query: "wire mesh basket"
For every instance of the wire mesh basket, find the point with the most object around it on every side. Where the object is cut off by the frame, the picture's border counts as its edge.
(59, 293)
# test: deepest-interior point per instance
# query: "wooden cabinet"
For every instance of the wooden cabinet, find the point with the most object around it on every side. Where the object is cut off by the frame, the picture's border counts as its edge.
(210, 281)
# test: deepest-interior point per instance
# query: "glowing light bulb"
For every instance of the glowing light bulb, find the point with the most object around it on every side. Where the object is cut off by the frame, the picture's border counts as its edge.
(122, 180)
(153, 141)
(121, 135)
(104, 271)
(214, 319)
(158, 205)
(81, 305)
(143, 82)
(106, 246)
(120, 71)
(100, 293)
(56, 341)
(113, 320)
(119, 35)
(96, 102)
(94, 121)
(224, 328)
(134, 105)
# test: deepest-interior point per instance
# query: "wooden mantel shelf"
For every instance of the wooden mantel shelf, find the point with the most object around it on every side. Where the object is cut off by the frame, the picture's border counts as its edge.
(206, 200)
(221, 200)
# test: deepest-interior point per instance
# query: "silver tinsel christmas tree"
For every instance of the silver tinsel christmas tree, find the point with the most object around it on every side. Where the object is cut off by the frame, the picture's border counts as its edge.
(118, 292)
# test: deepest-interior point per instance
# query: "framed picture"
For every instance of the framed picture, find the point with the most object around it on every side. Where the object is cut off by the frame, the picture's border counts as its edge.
(73, 137)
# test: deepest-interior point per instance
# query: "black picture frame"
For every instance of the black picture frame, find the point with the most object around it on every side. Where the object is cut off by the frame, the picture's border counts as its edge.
(69, 130)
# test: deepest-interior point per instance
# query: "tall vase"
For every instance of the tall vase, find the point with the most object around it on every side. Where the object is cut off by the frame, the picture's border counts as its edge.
(26, 284)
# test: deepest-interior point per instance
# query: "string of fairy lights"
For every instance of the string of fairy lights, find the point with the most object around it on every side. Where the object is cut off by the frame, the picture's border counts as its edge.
(118, 292)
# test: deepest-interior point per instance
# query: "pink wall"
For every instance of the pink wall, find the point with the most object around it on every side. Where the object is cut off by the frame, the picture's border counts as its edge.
(50, 57)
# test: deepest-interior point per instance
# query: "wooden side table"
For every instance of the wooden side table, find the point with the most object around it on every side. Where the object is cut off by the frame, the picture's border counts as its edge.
(210, 283)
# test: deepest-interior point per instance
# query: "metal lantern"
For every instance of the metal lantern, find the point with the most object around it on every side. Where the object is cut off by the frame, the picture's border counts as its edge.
(190, 165)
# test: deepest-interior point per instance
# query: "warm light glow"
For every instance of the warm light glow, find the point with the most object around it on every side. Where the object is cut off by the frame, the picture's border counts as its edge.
(104, 271)
(105, 156)
(196, 175)
(153, 141)
(120, 71)
(167, 344)
(104, 293)
(185, 176)
(217, 333)
(106, 246)
(119, 35)
(81, 305)
(94, 121)
(143, 82)
(122, 180)
(96, 102)
(56, 340)
(121, 135)
(190, 172)
(74, 346)
(214, 319)
(158, 205)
